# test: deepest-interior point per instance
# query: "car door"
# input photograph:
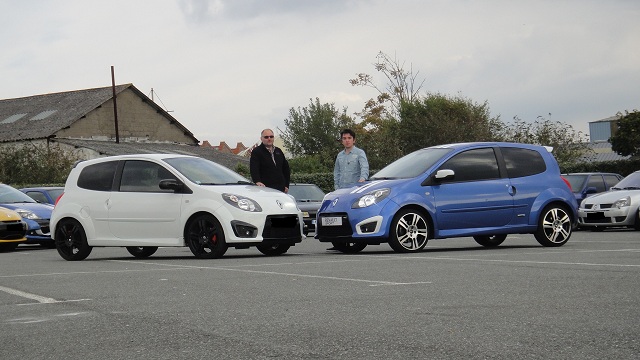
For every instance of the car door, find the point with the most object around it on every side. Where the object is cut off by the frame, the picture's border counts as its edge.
(526, 170)
(476, 196)
(140, 210)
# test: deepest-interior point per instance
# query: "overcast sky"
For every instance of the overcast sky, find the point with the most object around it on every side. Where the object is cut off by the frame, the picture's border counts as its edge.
(229, 68)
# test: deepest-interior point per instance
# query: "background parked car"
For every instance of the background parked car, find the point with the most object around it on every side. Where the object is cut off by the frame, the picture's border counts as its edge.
(46, 194)
(617, 207)
(484, 190)
(35, 214)
(587, 184)
(309, 198)
(12, 229)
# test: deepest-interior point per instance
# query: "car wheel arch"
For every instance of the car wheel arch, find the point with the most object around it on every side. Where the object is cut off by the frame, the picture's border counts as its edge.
(193, 216)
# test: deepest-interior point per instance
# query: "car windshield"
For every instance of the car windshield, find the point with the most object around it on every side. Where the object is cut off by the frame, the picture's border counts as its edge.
(205, 172)
(576, 181)
(306, 193)
(631, 182)
(412, 165)
(9, 195)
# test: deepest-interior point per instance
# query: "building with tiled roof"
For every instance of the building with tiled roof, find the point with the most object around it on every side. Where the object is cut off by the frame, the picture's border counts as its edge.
(85, 121)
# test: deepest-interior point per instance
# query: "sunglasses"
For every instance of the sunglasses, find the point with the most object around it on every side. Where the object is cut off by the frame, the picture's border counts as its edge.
(268, 137)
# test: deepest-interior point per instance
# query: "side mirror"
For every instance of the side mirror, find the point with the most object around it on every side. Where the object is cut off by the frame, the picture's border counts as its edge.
(171, 184)
(445, 174)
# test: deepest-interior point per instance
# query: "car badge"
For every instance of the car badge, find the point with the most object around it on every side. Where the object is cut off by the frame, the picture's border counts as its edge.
(279, 204)
(334, 202)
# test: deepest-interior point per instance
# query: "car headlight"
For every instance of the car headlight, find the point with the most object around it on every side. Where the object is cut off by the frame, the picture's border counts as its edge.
(371, 198)
(622, 202)
(27, 214)
(242, 203)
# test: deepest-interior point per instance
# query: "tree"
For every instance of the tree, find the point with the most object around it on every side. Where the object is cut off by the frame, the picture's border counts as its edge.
(34, 164)
(626, 140)
(439, 119)
(568, 144)
(401, 86)
(315, 131)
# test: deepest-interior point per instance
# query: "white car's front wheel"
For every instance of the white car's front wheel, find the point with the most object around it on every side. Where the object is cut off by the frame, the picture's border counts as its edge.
(205, 237)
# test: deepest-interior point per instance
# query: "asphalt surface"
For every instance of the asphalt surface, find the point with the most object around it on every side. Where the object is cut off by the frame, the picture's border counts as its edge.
(453, 300)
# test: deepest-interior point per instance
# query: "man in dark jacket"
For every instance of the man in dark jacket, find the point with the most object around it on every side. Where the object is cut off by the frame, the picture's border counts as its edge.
(268, 166)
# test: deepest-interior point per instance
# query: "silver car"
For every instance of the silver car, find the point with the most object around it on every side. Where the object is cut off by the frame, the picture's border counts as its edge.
(617, 207)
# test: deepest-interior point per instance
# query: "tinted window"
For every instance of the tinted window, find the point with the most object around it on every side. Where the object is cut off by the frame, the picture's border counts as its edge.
(306, 192)
(143, 176)
(610, 180)
(98, 176)
(596, 182)
(477, 164)
(576, 181)
(37, 196)
(522, 162)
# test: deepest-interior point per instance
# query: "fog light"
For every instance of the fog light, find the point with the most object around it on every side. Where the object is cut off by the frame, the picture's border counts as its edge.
(244, 230)
(368, 227)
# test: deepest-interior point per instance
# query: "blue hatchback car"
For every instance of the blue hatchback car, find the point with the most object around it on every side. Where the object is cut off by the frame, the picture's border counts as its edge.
(482, 190)
(35, 214)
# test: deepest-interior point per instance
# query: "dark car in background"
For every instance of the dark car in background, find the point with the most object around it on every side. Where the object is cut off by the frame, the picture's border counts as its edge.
(586, 184)
(35, 214)
(309, 198)
(45, 194)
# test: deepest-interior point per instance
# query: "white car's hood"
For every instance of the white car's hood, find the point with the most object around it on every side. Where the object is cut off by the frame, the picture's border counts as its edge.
(610, 196)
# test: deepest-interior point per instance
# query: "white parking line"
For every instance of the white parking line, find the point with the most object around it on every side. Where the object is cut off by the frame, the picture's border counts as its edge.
(38, 298)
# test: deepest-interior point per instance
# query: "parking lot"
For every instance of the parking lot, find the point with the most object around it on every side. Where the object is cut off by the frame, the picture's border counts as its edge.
(453, 300)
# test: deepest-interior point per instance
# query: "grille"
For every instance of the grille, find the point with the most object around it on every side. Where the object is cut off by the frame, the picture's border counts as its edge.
(12, 231)
(281, 227)
(334, 231)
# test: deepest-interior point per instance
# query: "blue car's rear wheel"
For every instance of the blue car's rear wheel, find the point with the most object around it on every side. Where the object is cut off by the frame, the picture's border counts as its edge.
(409, 231)
(205, 237)
(554, 226)
(71, 240)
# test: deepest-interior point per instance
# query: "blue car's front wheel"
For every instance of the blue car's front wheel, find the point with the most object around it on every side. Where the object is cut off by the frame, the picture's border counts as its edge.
(409, 231)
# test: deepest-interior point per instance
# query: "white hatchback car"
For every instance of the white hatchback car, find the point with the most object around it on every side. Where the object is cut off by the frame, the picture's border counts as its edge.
(145, 201)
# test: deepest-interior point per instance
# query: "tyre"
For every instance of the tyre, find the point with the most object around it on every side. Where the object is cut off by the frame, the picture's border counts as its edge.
(142, 252)
(409, 231)
(490, 240)
(71, 240)
(205, 237)
(8, 246)
(348, 247)
(554, 226)
(273, 249)
(636, 225)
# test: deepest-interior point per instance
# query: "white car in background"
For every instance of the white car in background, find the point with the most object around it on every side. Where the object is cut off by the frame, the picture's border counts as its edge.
(618, 207)
(145, 201)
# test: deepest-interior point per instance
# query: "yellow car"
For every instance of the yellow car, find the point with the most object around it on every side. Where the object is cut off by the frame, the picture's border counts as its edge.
(12, 229)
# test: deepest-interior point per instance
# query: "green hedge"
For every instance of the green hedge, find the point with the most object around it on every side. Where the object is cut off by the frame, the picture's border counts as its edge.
(622, 167)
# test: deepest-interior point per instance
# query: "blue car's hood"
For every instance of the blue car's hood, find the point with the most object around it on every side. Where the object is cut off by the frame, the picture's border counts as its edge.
(42, 210)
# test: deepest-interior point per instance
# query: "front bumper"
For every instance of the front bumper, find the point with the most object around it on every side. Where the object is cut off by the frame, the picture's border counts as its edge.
(606, 217)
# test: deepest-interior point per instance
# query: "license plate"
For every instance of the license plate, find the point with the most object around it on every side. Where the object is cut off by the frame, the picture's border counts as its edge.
(332, 221)
(595, 216)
